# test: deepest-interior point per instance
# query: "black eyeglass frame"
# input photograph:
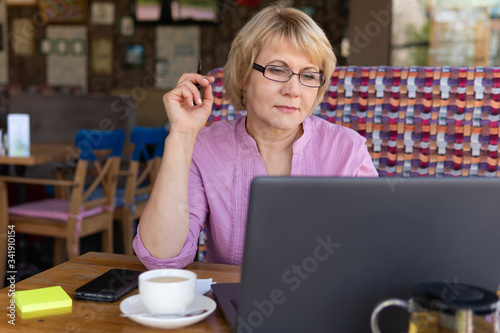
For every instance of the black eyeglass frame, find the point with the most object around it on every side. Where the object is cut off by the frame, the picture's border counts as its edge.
(262, 69)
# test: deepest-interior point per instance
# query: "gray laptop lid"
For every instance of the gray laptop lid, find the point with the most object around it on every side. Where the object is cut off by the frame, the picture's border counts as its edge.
(320, 253)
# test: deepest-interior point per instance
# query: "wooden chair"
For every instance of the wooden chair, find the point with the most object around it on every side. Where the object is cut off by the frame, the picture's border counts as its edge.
(140, 177)
(70, 220)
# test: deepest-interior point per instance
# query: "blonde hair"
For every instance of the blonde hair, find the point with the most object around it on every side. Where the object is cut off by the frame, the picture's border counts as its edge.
(274, 24)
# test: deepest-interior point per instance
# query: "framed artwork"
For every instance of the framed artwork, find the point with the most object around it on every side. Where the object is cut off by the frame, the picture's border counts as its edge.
(46, 46)
(78, 47)
(127, 27)
(20, 2)
(75, 11)
(61, 46)
(178, 47)
(101, 57)
(162, 67)
(148, 10)
(194, 10)
(102, 13)
(23, 37)
(177, 11)
(133, 55)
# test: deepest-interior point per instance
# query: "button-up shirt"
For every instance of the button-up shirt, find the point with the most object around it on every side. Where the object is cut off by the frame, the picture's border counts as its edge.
(224, 163)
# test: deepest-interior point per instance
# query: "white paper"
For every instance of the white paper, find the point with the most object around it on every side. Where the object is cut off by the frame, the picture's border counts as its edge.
(18, 132)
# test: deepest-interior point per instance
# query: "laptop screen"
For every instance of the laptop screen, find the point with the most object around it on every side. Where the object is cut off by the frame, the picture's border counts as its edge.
(320, 253)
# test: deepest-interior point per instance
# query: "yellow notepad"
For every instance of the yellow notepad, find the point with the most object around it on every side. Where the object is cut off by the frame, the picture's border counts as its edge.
(39, 301)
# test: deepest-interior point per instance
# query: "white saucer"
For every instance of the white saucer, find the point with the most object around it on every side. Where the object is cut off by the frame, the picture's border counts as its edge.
(133, 304)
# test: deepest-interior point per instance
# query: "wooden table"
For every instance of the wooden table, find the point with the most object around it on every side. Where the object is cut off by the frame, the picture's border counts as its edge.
(50, 152)
(43, 153)
(89, 316)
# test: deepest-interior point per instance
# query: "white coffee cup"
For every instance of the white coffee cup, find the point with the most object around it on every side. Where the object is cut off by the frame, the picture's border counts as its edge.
(167, 290)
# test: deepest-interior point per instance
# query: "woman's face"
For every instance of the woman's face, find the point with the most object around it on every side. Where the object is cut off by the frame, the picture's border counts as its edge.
(279, 106)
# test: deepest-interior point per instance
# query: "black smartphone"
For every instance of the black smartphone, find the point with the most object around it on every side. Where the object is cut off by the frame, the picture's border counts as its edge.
(109, 286)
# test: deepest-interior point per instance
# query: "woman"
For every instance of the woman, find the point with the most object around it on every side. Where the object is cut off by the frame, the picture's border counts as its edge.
(277, 70)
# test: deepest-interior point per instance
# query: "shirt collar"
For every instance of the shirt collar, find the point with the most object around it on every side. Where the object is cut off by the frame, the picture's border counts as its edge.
(299, 145)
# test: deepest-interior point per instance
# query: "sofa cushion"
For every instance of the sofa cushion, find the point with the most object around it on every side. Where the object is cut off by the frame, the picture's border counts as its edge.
(418, 121)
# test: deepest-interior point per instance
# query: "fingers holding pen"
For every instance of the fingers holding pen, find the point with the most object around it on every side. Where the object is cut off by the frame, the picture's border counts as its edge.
(208, 97)
(180, 103)
(189, 88)
(204, 91)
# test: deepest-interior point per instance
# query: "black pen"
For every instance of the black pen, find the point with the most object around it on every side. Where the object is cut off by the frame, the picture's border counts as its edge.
(200, 67)
(196, 84)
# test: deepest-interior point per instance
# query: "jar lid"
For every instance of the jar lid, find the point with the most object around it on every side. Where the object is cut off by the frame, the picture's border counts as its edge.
(451, 297)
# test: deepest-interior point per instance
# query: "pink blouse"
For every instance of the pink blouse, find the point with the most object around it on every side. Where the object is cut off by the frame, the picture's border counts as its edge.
(226, 159)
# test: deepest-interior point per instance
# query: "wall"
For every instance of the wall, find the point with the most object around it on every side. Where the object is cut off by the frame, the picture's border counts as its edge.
(214, 42)
(331, 15)
(210, 42)
(370, 32)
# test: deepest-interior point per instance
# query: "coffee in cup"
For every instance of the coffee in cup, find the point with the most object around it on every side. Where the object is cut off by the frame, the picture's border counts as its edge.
(167, 290)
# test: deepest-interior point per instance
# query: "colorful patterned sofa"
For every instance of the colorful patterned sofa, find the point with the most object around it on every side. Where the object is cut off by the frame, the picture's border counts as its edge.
(418, 121)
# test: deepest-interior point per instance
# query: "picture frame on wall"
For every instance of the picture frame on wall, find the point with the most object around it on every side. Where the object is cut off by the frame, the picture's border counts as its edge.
(101, 56)
(194, 10)
(66, 12)
(187, 12)
(127, 26)
(133, 55)
(78, 47)
(21, 2)
(61, 46)
(102, 13)
(23, 37)
(46, 46)
(148, 11)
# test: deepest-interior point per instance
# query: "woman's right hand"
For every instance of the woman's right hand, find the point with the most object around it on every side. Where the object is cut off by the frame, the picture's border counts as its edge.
(165, 219)
(187, 109)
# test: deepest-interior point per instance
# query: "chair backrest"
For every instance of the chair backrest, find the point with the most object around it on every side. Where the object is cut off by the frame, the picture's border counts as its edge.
(418, 121)
(142, 137)
(100, 151)
(149, 145)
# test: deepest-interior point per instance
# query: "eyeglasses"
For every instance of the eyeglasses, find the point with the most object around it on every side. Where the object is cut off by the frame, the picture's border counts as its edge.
(284, 74)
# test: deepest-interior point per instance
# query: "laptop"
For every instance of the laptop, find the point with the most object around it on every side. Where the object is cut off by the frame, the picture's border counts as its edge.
(321, 253)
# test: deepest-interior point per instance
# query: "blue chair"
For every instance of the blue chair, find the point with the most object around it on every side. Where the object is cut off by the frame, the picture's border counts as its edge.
(68, 220)
(140, 177)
